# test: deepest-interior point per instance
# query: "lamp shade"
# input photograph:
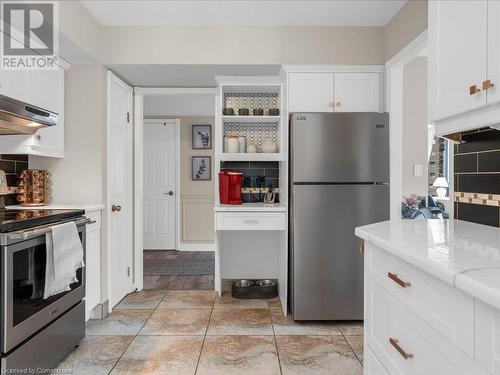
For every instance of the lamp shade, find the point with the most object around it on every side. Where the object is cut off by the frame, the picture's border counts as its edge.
(440, 182)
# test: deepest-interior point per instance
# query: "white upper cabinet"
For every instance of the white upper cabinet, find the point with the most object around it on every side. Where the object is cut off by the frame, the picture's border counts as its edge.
(357, 92)
(310, 92)
(493, 93)
(457, 58)
(333, 92)
(14, 84)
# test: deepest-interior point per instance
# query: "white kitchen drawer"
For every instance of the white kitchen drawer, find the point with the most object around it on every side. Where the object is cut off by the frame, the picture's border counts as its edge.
(442, 306)
(250, 221)
(94, 216)
(372, 365)
(431, 353)
(487, 337)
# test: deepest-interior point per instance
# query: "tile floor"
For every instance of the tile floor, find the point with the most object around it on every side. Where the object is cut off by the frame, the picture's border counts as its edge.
(197, 332)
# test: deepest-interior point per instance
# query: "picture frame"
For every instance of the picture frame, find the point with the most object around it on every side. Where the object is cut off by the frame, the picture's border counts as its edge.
(201, 168)
(201, 137)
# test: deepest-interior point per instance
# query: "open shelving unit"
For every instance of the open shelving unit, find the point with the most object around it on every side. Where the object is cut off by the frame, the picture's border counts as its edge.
(251, 239)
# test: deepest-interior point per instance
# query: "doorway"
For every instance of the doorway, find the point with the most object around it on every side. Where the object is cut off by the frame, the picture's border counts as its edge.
(177, 220)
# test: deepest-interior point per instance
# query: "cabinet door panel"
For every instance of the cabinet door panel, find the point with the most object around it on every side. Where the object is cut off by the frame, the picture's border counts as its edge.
(14, 84)
(493, 93)
(310, 92)
(457, 56)
(357, 92)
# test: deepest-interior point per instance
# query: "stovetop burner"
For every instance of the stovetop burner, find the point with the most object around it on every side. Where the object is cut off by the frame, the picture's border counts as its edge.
(22, 219)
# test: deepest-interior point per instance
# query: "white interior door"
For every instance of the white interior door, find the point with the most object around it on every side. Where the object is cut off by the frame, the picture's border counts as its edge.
(159, 186)
(119, 189)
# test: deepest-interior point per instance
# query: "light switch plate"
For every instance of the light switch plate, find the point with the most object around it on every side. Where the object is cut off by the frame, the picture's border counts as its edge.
(417, 170)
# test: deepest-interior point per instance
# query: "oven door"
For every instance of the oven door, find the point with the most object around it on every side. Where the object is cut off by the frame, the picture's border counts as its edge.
(24, 310)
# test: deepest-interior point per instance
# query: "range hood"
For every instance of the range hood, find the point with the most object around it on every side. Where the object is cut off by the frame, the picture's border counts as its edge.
(17, 117)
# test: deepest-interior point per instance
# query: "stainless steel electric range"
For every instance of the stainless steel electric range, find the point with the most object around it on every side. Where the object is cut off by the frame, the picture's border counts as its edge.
(36, 333)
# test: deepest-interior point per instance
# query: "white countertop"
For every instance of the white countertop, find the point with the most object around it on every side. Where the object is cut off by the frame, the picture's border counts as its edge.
(76, 206)
(249, 207)
(460, 253)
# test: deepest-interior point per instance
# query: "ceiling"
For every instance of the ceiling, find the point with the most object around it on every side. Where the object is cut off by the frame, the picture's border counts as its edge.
(156, 75)
(244, 13)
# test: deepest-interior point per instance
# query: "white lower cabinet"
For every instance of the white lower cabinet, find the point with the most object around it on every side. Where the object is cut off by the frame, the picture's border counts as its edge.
(93, 263)
(416, 324)
(371, 363)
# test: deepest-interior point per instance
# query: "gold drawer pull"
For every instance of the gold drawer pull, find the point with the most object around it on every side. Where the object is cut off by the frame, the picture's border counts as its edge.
(400, 350)
(474, 90)
(361, 248)
(488, 84)
(397, 280)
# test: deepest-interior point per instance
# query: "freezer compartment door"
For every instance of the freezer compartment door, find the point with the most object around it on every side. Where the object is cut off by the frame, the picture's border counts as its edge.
(340, 147)
(327, 265)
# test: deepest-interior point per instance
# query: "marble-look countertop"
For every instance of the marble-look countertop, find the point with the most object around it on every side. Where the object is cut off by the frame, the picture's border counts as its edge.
(54, 206)
(249, 207)
(460, 253)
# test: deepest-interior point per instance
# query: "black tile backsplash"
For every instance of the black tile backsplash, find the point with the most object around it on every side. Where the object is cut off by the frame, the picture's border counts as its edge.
(12, 165)
(466, 163)
(488, 161)
(259, 174)
(478, 213)
(477, 170)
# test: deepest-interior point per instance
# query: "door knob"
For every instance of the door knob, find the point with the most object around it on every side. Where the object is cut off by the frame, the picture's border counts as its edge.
(169, 193)
(115, 208)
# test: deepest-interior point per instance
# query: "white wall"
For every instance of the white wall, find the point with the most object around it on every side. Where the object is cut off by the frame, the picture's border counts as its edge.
(415, 130)
(406, 25)
(179, 105)
(243, 45)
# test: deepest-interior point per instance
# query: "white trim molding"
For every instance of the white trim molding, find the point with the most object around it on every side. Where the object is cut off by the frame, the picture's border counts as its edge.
(175, 90)
(394, 105)
(196, 247)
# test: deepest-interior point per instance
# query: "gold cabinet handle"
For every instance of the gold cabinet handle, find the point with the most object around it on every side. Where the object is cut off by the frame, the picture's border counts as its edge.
(361, 248)
(116, 208)
(488, 84)
(338, 104)
(397, 280)
(395, 344)
(474, 90)
(331, 104)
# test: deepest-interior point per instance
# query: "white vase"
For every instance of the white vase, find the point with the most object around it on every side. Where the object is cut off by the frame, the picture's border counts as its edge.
(251, 149)
(269, 147)
(233, 145)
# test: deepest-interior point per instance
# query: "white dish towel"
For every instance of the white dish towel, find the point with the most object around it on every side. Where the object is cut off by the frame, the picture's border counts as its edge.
(64, 257)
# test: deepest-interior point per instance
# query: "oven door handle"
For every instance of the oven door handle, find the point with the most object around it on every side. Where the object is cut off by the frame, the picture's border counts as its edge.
(43, 229)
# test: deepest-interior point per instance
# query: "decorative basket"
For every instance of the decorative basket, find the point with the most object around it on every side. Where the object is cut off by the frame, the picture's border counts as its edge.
(33, 188)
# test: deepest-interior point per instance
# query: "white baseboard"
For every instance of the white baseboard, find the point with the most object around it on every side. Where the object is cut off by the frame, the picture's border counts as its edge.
(196, 247)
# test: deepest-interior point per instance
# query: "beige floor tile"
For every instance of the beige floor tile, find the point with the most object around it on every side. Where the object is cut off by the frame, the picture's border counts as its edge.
(255, 322)
(286, 326)
(119, 322)
(188, 299)
(94, 355)
(228, 302)
(317, 355)
(239, 355)
(143, 300)
(177, 323)
(161, 355)
(274, 303)
(354, 328)
(356, 343)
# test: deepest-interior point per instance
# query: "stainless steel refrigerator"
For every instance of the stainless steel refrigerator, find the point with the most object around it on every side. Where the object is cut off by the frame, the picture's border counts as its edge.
(339, 175)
